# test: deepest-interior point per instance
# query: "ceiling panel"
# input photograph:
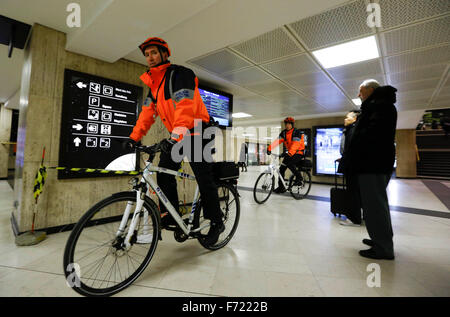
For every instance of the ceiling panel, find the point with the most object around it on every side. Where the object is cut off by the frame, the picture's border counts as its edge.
(400, 12)
(268, 46)
(363, 69)
(418, 36)
(308, 79)
(288, 98)
(415, 95)
(437, 55)
(292, 65)
(220, 62)
(417, 85)
(248, 76)
(320, 30)
(407, 106)
(434, 71)
(268, 87)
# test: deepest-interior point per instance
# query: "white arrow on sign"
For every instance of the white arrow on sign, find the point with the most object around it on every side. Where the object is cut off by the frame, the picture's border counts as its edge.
(81, 85)
(77, 142)
(78, 127)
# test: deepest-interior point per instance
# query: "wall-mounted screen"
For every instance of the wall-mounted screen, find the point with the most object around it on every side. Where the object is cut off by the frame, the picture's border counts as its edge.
(327, 141)
(97, 115)
(219, 105)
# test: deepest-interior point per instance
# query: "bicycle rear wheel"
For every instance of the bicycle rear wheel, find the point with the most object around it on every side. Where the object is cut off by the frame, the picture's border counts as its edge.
(96, 261)
(263, 187)
(299, 189)
(230, 207)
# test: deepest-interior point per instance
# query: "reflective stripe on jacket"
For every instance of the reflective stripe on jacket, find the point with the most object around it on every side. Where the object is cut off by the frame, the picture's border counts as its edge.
(174, 96)
(293, 140)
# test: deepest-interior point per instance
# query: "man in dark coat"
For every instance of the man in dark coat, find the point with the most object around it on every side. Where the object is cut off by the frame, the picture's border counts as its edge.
(371, 156)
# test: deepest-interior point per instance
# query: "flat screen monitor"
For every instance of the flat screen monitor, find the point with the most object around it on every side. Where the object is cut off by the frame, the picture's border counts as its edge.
(327, 142)
(219, 105)
(97, 115)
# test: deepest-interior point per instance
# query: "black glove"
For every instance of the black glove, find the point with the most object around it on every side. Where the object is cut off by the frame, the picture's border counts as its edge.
(129, 144)
(269, 152)
(166, 145)
(284, 154)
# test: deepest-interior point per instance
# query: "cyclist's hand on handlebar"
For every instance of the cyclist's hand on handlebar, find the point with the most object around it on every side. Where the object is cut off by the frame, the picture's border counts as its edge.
(130, 144)
(167, 144)
(284, 154)
(269, 152)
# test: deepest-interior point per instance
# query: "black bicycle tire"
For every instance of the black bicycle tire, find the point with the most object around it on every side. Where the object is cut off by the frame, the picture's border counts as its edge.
(80, 225)
(291, 179)
(255, 189)
(235, 225)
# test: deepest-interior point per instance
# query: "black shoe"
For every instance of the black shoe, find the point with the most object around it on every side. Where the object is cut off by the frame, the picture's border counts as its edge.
(214, 232)
(371, 254)
(368, 242)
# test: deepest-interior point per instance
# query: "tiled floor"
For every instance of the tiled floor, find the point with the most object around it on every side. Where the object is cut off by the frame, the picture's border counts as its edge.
(282, 248)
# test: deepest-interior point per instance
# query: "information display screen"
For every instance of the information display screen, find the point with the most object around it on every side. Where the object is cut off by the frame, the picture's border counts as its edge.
(219, 105)
(327, 141)
(97, 115)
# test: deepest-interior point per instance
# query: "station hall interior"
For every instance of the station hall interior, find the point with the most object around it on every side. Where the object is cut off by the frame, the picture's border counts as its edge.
(269, 59)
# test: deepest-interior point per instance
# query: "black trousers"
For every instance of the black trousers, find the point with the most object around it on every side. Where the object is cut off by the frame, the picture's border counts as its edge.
(203, 172)
(354, 212)
(376, 211)
(290, 162)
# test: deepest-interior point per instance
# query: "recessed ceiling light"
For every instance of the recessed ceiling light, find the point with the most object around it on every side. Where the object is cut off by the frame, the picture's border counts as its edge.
(357, 101)
(348, 53)
(241, 115)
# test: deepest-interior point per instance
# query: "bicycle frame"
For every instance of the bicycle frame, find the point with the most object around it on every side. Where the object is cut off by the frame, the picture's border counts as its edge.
(272, 169)
(149, 170)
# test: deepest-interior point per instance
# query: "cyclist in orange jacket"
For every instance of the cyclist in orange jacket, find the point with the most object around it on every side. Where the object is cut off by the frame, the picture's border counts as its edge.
(293, 150)
(175, 98)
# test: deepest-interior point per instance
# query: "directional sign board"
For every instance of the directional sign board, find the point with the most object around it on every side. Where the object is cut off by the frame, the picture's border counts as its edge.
(98, 114)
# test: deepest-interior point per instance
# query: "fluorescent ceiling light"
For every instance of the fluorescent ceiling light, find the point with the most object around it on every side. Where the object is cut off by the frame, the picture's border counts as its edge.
(357, 101)
(246, 134)
(241, 115)
(348, 53)
(267, 138)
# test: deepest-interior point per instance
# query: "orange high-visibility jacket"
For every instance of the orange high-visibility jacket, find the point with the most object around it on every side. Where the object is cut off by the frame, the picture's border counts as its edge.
(175, 97)
(293, 141)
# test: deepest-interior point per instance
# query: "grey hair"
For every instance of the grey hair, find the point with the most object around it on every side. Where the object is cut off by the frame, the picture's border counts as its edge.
(370, 83)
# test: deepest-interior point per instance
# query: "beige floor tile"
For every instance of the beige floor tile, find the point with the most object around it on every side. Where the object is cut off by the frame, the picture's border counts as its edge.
(292, 285)
(345, 287)
(239, 282)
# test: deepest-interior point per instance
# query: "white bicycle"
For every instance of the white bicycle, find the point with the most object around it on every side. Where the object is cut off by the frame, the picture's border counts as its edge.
(114, 241)
(265, 182)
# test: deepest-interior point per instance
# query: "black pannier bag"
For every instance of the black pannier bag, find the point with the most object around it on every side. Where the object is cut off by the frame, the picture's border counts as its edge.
(306, 164)
(224, 171)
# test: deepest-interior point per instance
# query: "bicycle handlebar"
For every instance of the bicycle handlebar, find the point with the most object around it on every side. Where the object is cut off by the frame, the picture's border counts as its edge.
(152, 149)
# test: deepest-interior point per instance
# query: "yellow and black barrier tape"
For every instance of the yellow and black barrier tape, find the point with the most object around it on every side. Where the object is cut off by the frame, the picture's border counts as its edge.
(41, 175)
(94, 170)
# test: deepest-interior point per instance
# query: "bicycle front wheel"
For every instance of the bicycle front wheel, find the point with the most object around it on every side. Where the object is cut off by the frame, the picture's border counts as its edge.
(230, 206)
(263, 187)
(300, 188)
(96, 260)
